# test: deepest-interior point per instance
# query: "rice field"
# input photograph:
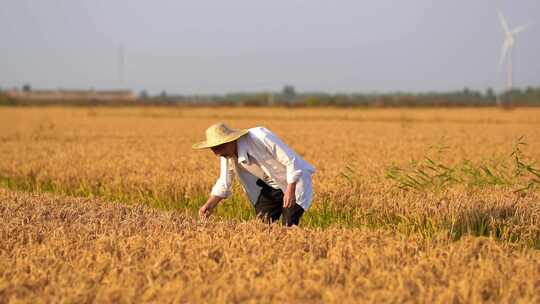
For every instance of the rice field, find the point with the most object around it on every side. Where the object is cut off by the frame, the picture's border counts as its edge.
(419, 205)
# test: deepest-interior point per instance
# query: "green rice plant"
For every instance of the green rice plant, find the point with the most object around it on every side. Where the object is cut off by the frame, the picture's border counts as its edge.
(432, 174)
(522, 167)
(422, 175)
(350, 173)
(481, 175)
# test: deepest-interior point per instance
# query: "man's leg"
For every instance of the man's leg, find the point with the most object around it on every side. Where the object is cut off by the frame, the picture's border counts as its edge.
(269, 204)
(292, 215)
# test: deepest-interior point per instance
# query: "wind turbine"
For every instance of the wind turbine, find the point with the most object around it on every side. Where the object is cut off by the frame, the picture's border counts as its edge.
(507, 48)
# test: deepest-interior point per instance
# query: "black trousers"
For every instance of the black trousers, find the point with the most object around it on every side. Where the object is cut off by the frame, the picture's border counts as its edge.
(269, 206)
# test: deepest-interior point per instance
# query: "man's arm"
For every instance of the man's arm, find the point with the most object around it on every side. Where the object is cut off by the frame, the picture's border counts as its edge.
(289, 198)
(220, 191)
(206, 210)
(223, 185)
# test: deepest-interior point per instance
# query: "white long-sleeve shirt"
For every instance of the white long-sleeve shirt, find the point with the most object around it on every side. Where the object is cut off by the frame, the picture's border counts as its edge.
(275, 159)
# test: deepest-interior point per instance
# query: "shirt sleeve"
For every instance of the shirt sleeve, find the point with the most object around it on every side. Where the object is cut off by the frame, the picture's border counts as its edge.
(223, 185)
(285, 155)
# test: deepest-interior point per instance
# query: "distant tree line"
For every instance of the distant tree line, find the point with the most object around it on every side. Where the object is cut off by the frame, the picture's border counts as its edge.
(288, 96)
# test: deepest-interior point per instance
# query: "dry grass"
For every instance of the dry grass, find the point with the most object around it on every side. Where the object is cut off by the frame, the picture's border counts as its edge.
(379, 243)
(64, 249)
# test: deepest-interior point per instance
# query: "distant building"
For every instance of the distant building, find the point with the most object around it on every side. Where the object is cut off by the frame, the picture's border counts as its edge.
(112, 95)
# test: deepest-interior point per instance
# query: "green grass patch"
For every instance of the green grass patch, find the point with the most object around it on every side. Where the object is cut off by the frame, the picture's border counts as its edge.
(432, 174)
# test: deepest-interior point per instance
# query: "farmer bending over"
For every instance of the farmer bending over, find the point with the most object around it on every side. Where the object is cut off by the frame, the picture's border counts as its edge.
(276, 180)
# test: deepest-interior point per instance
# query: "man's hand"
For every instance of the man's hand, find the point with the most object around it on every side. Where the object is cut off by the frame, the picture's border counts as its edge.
(206, 210)
(290, 196)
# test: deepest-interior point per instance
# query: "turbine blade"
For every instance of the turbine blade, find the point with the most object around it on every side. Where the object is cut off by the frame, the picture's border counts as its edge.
(520, 29)
(503, 22)
(504, 51)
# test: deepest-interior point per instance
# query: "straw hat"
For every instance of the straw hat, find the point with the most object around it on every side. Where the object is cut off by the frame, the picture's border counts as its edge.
(218, 134)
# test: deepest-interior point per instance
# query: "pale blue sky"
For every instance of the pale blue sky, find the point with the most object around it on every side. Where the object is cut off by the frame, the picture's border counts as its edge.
(200, 47)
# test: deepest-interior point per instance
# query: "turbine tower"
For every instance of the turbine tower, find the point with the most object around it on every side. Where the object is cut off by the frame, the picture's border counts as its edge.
(507, 47)
(121, 65)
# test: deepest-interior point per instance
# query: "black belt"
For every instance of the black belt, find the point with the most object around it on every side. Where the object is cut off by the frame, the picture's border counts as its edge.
(266, 187)
(261, 183)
